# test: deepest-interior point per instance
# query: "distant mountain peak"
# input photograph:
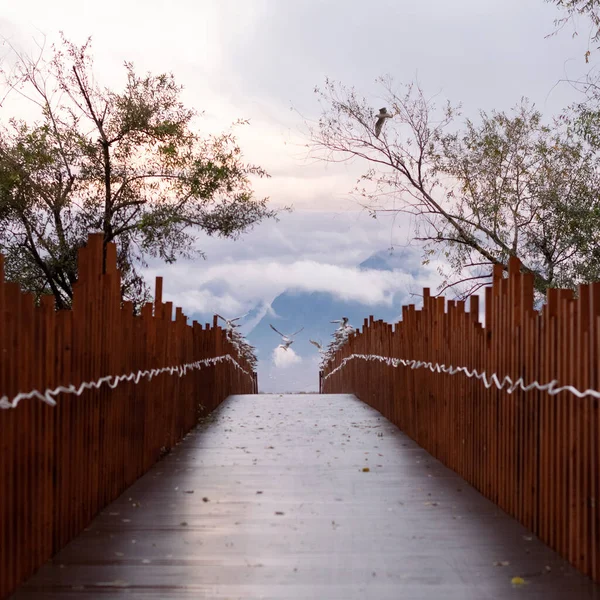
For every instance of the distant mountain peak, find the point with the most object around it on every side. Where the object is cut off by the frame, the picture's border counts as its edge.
(383, 260)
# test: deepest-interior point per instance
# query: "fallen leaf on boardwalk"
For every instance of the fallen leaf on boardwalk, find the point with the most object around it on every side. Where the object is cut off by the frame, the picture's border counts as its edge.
(366, 469)
(205, 499)
(119, 554)
(517, 581)
(501, 563)
(278, 512)
(183, 524)
(189, 491)
(259, 492)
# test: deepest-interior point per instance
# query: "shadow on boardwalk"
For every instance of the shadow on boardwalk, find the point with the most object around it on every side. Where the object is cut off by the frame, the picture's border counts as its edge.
(303, 497)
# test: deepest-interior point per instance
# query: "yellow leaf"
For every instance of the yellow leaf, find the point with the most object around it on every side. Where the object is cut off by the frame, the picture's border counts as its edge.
(366, 469)
(517, 581)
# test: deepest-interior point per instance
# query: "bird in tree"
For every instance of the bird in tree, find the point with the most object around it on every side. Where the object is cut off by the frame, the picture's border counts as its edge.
(381, 117)
(288, 340)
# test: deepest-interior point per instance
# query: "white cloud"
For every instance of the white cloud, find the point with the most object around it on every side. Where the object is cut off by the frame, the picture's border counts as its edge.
(205, 301)
(306, 250)
(283, 359)
(229, 286)
(256, 59)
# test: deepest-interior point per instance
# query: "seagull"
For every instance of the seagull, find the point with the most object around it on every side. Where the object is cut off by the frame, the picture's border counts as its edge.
(288, 340)
(343, 331)
(381, 117)
(343, 321)
(231, 323)
(238, 341)
(317, 344)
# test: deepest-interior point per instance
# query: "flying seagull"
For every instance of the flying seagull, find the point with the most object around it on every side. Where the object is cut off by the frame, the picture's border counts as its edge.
(343, 321)
(231, 323)
(381, 117)
(317, 345)
(288, 340)
(343, 331)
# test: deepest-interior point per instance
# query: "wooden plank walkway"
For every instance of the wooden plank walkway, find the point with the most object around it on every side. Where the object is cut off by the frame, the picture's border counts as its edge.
(269, 498)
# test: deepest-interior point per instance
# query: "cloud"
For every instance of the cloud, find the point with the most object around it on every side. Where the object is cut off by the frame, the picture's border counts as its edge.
(306, 250)
(283, 359)
(227, 287)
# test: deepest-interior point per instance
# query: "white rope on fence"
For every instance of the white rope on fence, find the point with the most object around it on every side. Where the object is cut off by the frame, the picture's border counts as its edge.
(114, 380)
(487, 381)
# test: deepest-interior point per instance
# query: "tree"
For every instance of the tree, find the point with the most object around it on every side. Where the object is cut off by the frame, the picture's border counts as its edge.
(573, 8)
(125, 163)
(586, 113)
(505, 186)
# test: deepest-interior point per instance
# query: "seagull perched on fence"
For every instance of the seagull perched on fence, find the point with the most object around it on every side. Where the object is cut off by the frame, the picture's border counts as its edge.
(381, 117)
(288, 340)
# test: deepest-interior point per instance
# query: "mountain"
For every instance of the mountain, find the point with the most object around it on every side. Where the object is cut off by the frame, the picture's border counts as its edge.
(293, 309)
(405, 260)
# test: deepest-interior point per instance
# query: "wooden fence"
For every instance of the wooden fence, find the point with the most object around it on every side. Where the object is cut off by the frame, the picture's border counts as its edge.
(60, 465)
(535, 454)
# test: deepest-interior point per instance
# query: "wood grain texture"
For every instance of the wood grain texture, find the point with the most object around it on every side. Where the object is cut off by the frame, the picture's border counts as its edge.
(269, 499)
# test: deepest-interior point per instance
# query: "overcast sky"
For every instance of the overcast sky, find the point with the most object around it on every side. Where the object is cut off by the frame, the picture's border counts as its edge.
(261, 59)
(257, 59)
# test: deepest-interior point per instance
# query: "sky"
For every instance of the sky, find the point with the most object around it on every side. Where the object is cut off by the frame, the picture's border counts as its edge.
(261, 60)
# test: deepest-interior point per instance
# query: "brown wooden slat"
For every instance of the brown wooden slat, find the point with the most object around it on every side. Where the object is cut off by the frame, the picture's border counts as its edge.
(59, 466)
(537, 456)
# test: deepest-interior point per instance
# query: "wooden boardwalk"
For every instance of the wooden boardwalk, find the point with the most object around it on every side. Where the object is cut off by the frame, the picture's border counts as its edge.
(303, 497)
